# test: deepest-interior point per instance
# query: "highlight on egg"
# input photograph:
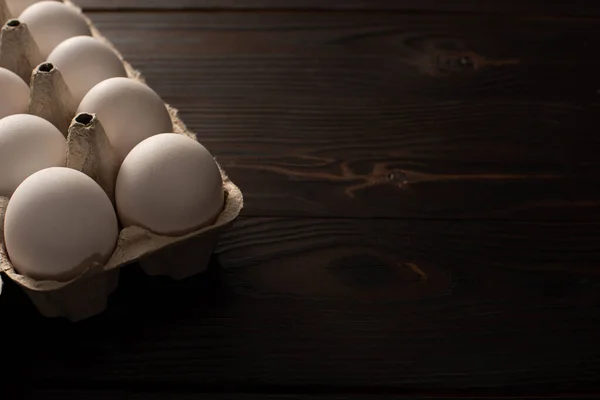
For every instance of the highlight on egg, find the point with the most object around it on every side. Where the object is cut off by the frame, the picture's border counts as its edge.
(169, 184)
(52, 22)
(83, 62)
(14, 94)
(58, 223)
(27, 144)
(128, 110)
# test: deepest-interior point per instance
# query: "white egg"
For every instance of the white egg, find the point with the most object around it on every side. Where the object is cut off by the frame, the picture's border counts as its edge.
(14, 94)
(50, 23)
(57, 224)
(16, 7)
(84, 61)
(27, 145)
(169, 184)
(128, 110)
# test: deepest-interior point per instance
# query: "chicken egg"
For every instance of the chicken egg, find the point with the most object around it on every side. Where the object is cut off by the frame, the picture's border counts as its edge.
(128, 110)
(57, 224)
(50, 23)
(169, 184)
(27, 144)
(16, 7)
(84, 61)
(14, 98)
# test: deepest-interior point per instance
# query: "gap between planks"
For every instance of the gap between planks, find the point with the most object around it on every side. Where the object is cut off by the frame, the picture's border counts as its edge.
(310, 10)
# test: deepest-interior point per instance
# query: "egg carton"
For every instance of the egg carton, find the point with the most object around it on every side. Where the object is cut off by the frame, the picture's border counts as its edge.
(89, 151)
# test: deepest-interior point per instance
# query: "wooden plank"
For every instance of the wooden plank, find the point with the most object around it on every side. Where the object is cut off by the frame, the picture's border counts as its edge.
(340, 306)
(129, 395)
(417, 116)
(584, 8)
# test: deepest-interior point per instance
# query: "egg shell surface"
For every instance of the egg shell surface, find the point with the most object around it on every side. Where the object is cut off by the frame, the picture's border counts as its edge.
(84, 61)
(52, 22)
(14, 94)
(27, 144)
(129, 112)
(169, 184)
(57, 224)
(16, 7)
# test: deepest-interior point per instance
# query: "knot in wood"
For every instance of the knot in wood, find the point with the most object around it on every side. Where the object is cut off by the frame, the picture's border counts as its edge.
(466, 62)
(398, 176)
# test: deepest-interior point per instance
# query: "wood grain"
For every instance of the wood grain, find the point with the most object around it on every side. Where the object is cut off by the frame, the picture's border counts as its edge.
(340, 306)
(412, 116)
(584, 8)
(125, 394)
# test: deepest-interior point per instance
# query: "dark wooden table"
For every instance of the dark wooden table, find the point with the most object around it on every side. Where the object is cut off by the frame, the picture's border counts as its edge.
(422, 192)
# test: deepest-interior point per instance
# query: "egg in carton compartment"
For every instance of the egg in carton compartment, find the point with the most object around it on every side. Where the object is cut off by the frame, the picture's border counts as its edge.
(89, 151)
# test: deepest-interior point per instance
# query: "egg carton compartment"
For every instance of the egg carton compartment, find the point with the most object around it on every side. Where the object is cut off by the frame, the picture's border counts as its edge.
(89, 151)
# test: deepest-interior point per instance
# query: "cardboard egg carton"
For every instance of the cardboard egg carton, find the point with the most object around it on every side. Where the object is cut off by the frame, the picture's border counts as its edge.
(89, 151)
